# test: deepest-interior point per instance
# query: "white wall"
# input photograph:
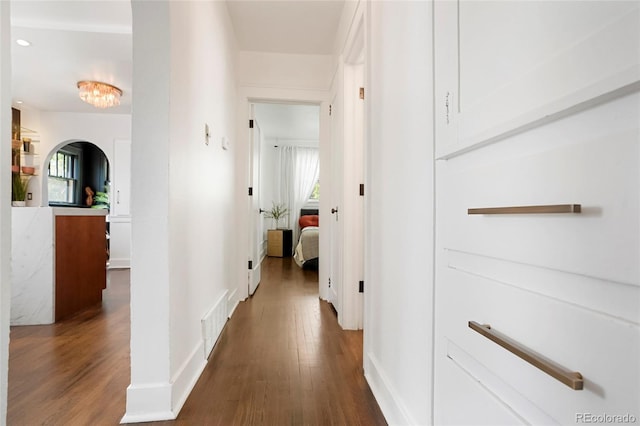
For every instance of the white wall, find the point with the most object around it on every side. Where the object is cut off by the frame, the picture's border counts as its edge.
(182, 195)
(5, 202)
(201, 186)
(399, 210)
(279, 70)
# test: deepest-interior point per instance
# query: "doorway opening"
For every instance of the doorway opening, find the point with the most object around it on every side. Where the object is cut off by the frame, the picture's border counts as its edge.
(284, 170)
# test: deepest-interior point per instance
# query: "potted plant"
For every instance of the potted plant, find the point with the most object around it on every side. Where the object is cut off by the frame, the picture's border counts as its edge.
(277, 212)
(19, 190)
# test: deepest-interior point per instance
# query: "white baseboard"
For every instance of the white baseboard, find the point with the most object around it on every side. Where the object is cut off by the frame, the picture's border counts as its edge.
(155, 402)
(394, 411)
(186, 377)
(148, 403)
(233, 302)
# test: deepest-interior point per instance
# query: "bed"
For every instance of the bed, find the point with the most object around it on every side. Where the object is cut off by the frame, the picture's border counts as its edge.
(307, 250)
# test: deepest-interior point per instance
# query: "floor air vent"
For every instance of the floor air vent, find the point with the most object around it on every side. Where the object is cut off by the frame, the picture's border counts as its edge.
(213, 323)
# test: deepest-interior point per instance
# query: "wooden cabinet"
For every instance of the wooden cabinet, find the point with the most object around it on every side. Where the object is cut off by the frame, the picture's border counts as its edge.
(279, 242)
(80, 263)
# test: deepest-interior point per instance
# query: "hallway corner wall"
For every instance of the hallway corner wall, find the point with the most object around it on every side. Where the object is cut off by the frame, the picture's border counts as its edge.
(398, 352)
(5, 203)
(149, 394)
(183, 196)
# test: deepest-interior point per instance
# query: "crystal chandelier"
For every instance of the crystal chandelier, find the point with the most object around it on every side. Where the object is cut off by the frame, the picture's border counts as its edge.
(100, 95)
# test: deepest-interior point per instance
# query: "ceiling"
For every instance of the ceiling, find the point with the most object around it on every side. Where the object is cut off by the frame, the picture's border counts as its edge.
(289, 122)
(70, 41)
(91, 40)
(294, 26)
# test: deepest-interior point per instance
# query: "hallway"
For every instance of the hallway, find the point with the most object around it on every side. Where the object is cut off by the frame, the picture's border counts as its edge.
(282, 359)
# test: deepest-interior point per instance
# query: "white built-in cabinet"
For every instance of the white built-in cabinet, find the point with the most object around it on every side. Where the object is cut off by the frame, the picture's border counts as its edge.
(120, 217)
(537, 103)
(121, 178)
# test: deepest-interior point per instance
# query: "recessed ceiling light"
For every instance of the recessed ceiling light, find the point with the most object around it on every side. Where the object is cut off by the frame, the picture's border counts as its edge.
(18, 102)
(23, 43)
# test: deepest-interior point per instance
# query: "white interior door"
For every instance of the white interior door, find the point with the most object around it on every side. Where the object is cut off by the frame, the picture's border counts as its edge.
(352, 214)
(335, 227)
(358, 168)
(255, 217)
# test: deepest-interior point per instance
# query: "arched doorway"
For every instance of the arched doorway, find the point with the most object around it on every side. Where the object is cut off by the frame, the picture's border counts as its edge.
(73, 170)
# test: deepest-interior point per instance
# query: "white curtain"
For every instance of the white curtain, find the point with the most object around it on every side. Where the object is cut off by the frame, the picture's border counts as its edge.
(299, 172)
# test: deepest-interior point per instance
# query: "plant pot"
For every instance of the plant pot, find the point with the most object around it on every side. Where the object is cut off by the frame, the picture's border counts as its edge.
(18, 203)
(15, 169)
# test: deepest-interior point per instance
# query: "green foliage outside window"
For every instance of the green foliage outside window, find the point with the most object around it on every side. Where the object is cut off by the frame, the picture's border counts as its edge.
(315, 194)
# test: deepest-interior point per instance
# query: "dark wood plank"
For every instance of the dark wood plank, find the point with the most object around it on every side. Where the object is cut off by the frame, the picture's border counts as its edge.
(81, 261)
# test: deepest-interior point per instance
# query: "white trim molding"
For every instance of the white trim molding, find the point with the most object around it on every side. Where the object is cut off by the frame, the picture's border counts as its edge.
(147, 403)
(394, 411)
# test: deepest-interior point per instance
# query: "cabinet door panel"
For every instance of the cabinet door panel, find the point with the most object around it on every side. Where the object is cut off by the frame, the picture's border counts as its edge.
(600, 175)
(604, 350)
(460, 388)
(546, 59)
(120, 202)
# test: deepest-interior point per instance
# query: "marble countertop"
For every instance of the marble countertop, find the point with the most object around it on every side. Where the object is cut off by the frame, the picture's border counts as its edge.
(63, 211)
(78, 211)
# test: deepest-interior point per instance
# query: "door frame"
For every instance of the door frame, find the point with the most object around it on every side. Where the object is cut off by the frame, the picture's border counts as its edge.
(255, 254)
(353, 69)
(247, 96)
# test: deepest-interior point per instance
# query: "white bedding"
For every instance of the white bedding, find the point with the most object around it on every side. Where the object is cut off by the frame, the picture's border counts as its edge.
(307, 247)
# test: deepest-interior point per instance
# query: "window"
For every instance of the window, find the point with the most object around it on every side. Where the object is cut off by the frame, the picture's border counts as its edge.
(63, 178)
(315, 194)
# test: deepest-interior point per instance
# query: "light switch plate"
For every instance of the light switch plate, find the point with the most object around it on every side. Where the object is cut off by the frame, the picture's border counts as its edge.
(225, 143)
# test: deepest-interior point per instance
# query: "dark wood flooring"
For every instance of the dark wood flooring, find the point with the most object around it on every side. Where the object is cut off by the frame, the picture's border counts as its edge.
(282, 359)
(76, 371)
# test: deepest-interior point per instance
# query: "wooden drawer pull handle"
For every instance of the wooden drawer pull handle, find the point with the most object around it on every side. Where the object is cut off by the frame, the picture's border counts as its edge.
(556, 208)
(570, 378)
